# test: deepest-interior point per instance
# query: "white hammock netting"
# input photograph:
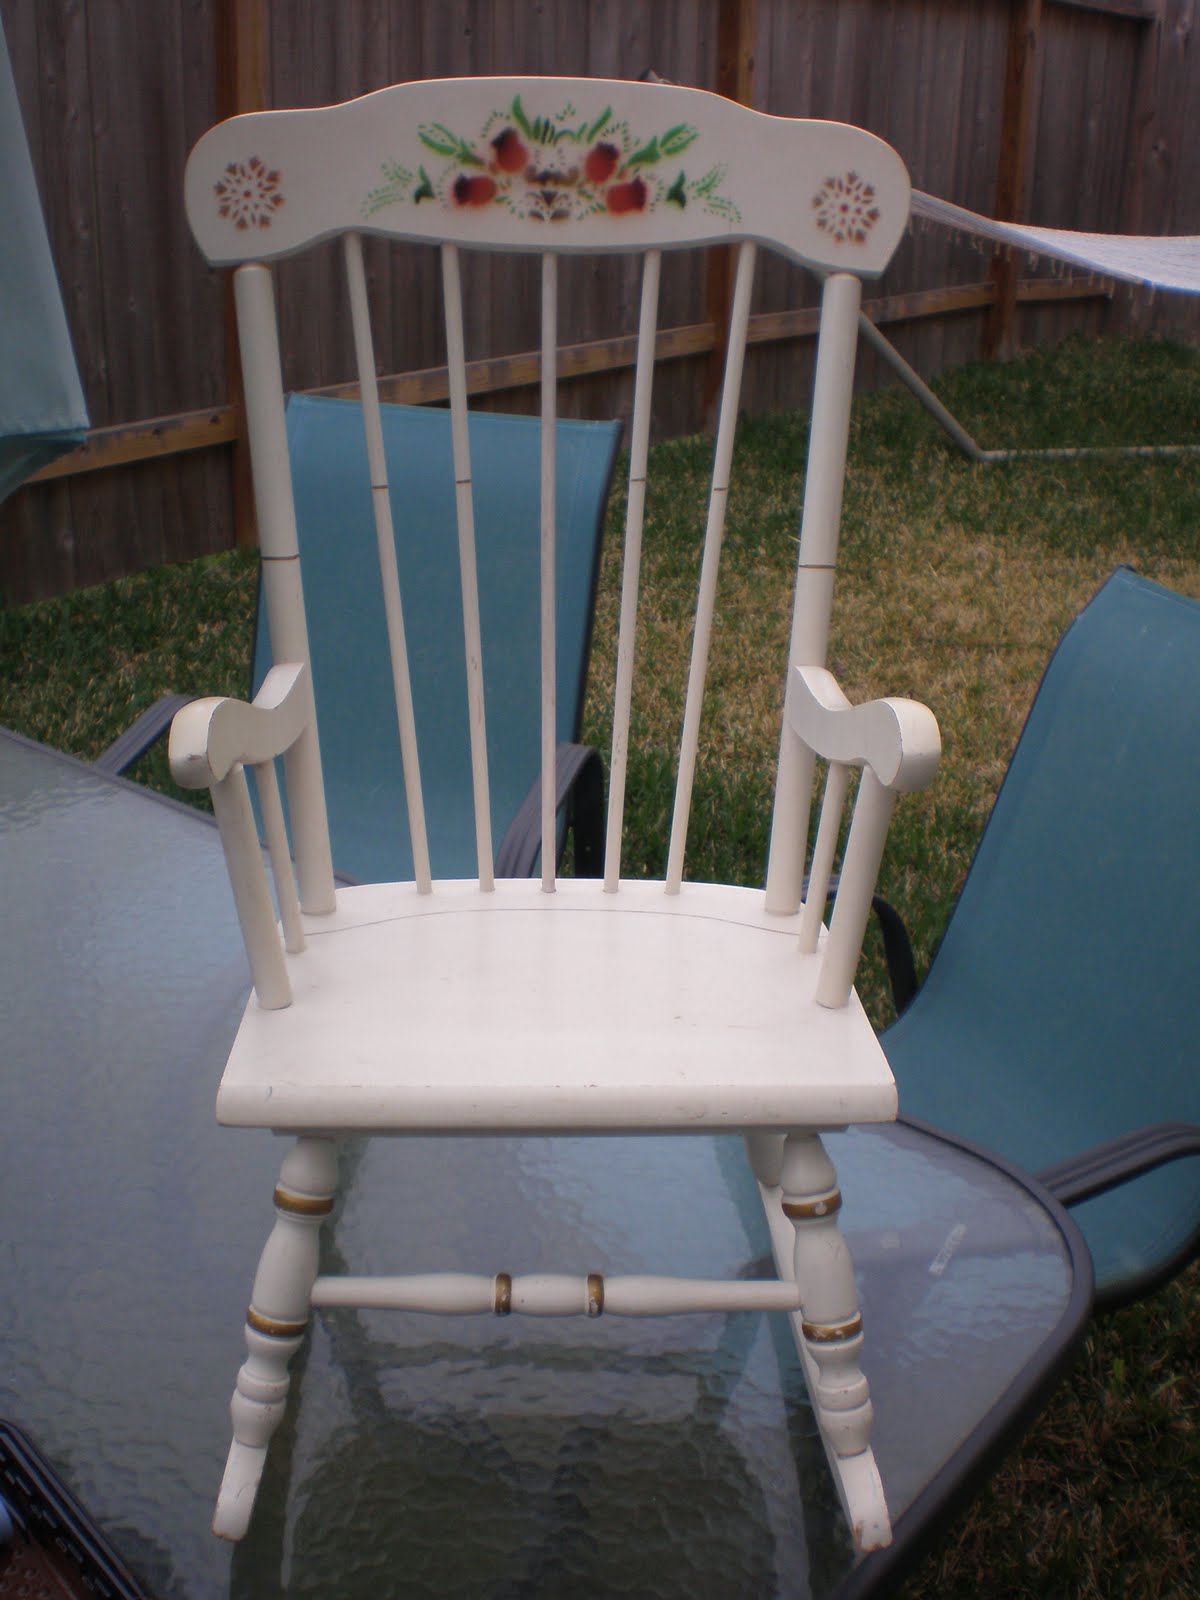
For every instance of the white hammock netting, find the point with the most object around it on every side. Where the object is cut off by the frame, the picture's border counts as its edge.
(1168, 262)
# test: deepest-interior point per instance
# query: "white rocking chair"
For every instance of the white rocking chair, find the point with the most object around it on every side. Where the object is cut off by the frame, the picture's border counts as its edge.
(555, 1006)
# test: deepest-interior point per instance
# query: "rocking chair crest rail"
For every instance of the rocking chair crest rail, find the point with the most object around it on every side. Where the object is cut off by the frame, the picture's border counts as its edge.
(576, 1006)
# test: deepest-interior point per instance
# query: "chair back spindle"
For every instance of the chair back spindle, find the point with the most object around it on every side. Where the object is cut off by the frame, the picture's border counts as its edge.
(456, 366)
(714, 533)
(389, 576)
(635, 512)
(549, 399)
(275, 830)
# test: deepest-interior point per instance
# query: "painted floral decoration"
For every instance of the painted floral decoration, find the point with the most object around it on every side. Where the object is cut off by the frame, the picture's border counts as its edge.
(846, 209)
(554, 169)
(248, 194)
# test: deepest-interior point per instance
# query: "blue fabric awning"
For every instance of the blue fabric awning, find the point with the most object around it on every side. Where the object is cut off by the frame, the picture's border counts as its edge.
(42, 409)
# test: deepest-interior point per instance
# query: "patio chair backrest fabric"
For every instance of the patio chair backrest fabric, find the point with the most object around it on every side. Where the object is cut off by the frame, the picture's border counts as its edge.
(347, 627)
(1058, 1012)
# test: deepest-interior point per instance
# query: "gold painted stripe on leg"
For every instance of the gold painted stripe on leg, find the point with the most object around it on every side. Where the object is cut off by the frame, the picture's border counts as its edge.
(595, 1294)
(831, 1332)
(303, 1205)
(503, 1294)
(805, 1210)
(272, 1325)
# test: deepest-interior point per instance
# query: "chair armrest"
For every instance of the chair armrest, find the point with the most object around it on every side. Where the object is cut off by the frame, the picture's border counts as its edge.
(209, 737)
(897, 739)
(897, 744)
(579, 792)
(141, 734)
(212, 741)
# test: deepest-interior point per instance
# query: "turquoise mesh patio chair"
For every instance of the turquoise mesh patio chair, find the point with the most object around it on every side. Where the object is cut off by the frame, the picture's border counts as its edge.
(1055, 1025)
(348, 631)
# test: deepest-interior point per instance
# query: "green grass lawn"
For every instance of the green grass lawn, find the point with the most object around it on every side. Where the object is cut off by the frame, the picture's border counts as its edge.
(956, 581)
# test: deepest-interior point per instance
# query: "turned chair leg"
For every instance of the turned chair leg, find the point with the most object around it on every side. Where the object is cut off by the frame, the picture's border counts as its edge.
(276, 1321)
(832, 1325)
(829, 1333)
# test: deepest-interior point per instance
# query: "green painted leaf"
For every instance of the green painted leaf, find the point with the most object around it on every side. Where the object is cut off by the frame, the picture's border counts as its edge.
(677, 139)
(599, 125)
(646, 156)
(519, 117)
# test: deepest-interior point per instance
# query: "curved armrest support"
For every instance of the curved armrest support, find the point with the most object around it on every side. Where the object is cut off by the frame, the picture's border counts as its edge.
(212, 741)
(210, 737)
(897, 739)
(897, 744)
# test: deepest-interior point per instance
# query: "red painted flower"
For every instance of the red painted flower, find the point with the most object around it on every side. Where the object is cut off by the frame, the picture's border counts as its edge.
(511, 154)
(625, 197)
(476, 191)
(601, 163)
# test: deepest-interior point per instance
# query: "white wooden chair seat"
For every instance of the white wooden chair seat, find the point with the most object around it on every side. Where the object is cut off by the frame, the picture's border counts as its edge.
(519, 1010)
(570, 1007)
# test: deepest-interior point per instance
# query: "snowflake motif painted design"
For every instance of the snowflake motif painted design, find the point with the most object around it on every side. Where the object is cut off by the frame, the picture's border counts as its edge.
(846, 209)
(248, 194)
(555, 168)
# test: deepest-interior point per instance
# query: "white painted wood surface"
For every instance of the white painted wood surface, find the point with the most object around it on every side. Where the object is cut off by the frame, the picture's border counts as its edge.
(555, 1294)
(421, 161)
(275, 1323)
(546, 568)
(635, 511)
(609, 1005)
(855, 1474)
(522, 1011)
(714, 533)
(282, 586)
(464, 502)
(820, 527)
(389, 576)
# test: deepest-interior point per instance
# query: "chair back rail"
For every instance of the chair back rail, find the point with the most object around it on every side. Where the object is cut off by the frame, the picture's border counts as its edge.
(549, 167)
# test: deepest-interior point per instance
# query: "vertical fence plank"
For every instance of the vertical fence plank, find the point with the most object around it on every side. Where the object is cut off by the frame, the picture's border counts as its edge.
(737, 35)
(1024, 35)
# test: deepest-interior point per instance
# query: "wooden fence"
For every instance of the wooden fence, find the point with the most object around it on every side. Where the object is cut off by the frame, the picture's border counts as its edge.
(1072, 113)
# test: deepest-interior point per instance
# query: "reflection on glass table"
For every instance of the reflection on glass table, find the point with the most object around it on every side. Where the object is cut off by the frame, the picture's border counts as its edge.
(423, 1455)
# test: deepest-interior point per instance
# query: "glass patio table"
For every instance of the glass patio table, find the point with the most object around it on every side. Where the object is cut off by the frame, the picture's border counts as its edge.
(422, 1455)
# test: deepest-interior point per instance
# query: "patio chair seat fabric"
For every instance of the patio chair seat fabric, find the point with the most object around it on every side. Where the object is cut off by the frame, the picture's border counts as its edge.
(347, 631)
(1058, 1012)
